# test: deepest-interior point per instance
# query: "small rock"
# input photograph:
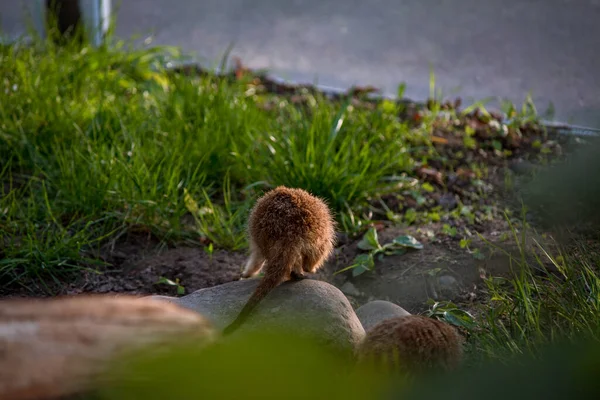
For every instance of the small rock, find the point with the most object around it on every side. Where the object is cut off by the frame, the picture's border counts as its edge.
(341, 239)
(374, 312)
(448, 286)
(349, 289)
(447, 201)
(308, 307)
(522, 167)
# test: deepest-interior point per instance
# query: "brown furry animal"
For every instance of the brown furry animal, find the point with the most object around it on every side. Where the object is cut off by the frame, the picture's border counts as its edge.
(412, 344)
(291, 232)
(53, 348)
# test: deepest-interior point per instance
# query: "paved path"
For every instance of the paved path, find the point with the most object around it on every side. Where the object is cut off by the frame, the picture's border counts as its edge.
(481, 48)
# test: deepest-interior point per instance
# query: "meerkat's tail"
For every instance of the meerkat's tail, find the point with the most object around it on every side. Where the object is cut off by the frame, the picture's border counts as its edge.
(267, 283)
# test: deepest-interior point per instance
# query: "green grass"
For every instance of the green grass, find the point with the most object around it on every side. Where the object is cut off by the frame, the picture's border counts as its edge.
(96, 142)
(550, 297)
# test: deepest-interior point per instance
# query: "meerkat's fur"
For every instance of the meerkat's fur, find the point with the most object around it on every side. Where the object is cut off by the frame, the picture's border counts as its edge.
(290, 232)
(412, 344)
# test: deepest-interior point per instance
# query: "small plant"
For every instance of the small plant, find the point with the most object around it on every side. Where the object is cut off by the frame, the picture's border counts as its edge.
(476, 253)
(370, 242)
(449, 312)
(449, 230)
(167, 281)
(209, 250)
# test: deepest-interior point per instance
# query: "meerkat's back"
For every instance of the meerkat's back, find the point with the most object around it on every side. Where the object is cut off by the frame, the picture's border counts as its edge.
(412, 344)
(290, 232)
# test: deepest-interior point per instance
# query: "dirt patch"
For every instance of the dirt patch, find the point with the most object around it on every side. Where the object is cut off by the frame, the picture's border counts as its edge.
(136, 267)
(442, 270)
(192, 268)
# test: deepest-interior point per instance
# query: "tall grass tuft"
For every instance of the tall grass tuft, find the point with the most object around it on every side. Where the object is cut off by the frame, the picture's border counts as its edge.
(554, 298)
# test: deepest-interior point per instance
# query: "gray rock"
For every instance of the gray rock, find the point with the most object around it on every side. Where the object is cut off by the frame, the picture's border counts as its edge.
(374, 312)
(349, 289)
(448, 201)
(308, 307)
(449, 287)
(522, 167)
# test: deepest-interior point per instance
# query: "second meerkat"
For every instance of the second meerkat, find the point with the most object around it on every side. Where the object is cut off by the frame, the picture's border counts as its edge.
(413, 344)
(290, 232)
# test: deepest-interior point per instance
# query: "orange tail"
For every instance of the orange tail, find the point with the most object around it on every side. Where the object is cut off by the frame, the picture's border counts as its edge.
(269, 282)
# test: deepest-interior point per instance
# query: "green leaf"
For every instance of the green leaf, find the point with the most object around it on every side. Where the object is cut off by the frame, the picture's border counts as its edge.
(418, 197)
(400, 91)
(449, 230)
(394, 251)
(428, 187)
(189, 202)
(408, 241)
(388, 106)
(166, 281)
(469, 142)
(362, 263)
(369, 240)
(459, 318)
(180, 290)
(478, 255)
(410, 216)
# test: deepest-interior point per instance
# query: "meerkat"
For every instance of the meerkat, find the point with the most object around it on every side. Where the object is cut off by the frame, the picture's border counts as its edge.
(412, 344)
(290, 232)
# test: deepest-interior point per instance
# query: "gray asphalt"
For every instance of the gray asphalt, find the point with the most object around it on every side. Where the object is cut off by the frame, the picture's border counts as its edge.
(477, 48)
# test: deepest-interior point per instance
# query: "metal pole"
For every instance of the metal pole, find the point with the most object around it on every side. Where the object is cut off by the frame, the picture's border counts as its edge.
(96, 15)
(38, 15)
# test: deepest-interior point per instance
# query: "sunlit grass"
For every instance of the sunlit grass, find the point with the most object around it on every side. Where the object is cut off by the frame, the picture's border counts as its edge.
(106, 136)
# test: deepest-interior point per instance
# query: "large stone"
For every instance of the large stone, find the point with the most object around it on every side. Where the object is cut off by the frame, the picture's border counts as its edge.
(374, 312)
(308, 307)
(56, 347)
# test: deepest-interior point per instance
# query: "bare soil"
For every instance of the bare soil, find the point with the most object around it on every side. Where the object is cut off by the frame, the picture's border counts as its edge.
(442, 270)
(136, 266)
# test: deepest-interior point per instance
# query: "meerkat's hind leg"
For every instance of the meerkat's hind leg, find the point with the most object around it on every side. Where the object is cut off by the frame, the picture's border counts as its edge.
(313, 262)
(297, 272)
(254, 264)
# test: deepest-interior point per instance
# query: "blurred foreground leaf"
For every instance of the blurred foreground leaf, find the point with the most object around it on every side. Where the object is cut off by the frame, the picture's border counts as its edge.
(257, 365)
(279, 365)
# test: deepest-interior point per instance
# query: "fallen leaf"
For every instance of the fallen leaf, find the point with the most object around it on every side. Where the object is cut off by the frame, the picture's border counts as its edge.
(437, 139)
(431, 175)
(362, 90)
